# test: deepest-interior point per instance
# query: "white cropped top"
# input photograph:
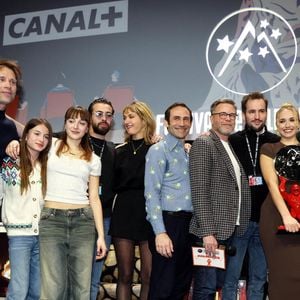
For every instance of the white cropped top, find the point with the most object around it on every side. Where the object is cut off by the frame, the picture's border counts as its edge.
(67, 177)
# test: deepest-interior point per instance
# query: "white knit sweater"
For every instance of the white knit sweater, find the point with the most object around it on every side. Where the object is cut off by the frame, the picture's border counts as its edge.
(20, 213)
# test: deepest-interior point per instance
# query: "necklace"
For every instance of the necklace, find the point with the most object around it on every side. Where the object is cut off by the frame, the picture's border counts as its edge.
(75, 153)
(100, 148)
(135, 150)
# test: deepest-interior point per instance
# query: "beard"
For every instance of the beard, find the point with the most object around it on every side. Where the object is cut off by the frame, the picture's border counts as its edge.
(225, 132)
(256, 129)
(101, 130)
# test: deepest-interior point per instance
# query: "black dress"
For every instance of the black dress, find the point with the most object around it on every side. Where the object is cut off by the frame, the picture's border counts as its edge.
(129, 215)
(282, 250)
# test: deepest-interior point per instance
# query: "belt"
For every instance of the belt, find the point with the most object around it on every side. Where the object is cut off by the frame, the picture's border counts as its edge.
(180, 213)
(67, 212)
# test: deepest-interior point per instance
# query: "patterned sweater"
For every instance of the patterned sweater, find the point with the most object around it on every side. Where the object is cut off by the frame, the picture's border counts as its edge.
(20, 213)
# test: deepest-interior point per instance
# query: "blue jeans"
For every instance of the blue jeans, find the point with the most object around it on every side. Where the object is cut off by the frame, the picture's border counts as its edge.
(67, 239)
(208, 280)
(257, 265)
(25, 268)
(98, 264)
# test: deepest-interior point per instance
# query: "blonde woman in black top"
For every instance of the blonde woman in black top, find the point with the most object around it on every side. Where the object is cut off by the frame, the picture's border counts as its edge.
(128, 224)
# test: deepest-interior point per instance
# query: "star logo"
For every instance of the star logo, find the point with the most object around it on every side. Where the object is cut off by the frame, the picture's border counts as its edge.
(264, 23)
(245, 54)
(224, 44)
(275, 33)
(263, 51)
(256, 51)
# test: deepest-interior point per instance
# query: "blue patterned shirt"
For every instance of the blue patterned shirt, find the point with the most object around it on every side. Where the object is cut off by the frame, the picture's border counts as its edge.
(167, 182)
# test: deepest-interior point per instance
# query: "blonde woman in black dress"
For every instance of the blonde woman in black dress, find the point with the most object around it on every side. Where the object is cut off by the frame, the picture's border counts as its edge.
(128, 223)
(282, 250)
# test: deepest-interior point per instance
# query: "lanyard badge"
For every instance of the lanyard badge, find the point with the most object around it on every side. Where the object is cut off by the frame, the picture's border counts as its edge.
(254, 179)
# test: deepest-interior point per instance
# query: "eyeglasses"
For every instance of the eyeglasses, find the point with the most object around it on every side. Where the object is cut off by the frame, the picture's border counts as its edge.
(101, 114)
(223, 115)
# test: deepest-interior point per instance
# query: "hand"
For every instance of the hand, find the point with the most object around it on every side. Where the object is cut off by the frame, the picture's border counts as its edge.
(210, 244)
(291, 224)
(187, 147)
(13, 149)
(164, 245)
(101, 249)
(204, 133)
(156, 138)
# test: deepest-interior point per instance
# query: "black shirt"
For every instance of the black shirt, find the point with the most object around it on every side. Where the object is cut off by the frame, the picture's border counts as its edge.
(8, 132)
(239, 145)
(107, 155)
(130, 167)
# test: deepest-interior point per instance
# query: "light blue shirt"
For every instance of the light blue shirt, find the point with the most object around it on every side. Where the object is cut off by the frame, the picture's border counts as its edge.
(167, 182)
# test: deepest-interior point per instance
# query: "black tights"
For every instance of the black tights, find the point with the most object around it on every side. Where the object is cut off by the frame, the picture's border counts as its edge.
(125, 261)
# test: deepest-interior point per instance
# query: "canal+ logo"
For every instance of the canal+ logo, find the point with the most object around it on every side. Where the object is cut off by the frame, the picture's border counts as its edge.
(259, 55)
(68, 22)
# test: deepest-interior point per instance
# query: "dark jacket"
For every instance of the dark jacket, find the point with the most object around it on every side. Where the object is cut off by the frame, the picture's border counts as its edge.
(215, 192)
(107, 173)
(239, 145)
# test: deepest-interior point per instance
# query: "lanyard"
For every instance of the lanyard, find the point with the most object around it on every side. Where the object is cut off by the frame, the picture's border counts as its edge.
(254, 162)
(96, 146)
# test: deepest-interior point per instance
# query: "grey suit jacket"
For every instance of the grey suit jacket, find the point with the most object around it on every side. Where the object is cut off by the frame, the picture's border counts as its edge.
(215, 193)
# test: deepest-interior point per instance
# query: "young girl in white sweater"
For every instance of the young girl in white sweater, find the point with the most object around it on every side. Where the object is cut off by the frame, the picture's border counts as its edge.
(23, 185)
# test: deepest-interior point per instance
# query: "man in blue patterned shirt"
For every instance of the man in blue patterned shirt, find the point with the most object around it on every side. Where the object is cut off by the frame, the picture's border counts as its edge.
(169, 208)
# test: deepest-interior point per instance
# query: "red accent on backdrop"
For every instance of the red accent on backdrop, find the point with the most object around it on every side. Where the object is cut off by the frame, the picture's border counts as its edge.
(12, 108)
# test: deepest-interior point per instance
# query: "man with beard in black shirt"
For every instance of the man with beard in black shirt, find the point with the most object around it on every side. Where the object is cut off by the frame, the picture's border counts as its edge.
(102, 112)
(246, 145)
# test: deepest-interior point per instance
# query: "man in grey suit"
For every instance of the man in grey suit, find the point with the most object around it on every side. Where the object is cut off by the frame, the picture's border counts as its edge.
(220, 195)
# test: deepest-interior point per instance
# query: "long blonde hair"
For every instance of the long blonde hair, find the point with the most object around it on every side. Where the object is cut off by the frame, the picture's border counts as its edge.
(146, 115)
